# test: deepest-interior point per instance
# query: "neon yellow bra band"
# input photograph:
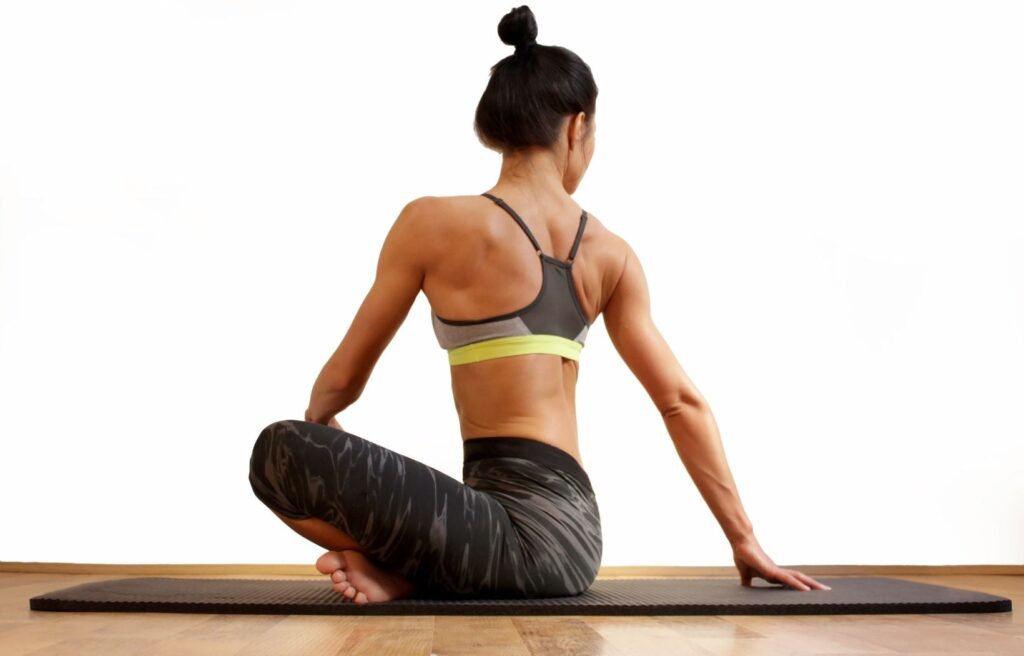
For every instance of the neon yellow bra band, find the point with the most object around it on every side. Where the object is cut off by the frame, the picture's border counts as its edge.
(503, 347)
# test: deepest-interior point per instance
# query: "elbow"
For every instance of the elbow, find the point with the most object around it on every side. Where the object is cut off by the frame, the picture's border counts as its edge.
(335, 381)
(682, 403)
(350, 391)
(339, 390)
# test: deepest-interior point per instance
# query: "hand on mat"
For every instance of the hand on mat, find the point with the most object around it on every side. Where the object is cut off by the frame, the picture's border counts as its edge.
(752, 561)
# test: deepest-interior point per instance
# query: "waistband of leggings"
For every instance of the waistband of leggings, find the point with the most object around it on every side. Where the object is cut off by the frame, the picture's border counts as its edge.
(508, 446)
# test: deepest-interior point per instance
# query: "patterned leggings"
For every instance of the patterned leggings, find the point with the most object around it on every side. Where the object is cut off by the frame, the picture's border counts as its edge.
(524, 523)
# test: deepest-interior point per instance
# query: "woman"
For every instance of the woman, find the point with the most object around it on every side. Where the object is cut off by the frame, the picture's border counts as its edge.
(524, 522)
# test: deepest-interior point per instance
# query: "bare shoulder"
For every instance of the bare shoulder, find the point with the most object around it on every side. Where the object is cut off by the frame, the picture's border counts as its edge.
(420, 225)
(606, 253)
(631, 329)
(433, 229)
(436, 213)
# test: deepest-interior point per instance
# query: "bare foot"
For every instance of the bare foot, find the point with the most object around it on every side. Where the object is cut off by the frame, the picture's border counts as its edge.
(361, 580)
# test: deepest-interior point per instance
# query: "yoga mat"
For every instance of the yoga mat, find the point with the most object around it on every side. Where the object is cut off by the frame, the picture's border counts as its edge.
(712, 596)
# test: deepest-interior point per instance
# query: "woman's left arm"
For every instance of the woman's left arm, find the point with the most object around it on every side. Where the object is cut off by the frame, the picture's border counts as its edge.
(399, 278)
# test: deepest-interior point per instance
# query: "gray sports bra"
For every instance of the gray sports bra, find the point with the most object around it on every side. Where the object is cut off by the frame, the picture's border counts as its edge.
(554, 322)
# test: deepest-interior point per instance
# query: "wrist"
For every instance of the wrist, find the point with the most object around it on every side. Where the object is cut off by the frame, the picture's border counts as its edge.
(740, 533)
(325, 403)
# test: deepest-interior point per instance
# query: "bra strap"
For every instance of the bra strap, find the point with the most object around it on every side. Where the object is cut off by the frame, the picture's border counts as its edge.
(579, 236)
(519, 220)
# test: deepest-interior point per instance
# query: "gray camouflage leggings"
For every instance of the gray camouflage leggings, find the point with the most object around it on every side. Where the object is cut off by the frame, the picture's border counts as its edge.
(524, 523)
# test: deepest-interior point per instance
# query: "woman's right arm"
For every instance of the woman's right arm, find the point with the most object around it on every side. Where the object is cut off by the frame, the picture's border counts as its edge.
(688, 418)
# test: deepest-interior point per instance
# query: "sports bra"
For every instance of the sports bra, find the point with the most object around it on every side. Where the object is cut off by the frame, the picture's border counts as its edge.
(554, 322)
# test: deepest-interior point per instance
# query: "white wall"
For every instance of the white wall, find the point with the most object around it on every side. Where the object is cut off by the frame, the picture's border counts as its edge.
(826, 197)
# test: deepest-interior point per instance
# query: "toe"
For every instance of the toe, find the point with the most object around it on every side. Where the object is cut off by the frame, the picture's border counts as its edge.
(329, 562)
(338, 576)
(350, 592)
(361, 598)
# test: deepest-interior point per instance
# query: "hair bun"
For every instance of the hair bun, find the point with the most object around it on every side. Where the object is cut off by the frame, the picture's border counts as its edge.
(518, 27)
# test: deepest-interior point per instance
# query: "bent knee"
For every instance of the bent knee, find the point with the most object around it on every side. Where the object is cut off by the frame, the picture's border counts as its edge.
(273, 474)
(275, 427)
(266, 444)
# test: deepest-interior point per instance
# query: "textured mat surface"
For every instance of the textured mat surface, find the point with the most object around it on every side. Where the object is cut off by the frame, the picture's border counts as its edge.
(717, 596)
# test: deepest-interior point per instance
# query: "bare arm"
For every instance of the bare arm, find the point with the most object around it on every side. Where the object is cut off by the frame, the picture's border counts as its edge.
(398, 281)
(687, 416)
(690, 423)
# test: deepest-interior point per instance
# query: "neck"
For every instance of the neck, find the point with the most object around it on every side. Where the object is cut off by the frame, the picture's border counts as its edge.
(534, 173)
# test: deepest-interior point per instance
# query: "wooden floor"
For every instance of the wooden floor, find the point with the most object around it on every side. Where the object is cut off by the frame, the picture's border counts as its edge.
(23, 631)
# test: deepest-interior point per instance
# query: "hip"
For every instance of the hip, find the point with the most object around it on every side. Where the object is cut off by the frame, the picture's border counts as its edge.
(546, 493)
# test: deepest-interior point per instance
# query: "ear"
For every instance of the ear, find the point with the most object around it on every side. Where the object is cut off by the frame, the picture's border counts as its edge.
(577, 129)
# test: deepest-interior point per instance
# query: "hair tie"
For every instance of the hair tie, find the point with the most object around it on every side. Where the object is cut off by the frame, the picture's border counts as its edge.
(524, 46)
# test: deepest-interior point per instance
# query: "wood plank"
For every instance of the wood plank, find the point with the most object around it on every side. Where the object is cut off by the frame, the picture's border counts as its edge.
(561, 635)
(645, 635)
(477, 635)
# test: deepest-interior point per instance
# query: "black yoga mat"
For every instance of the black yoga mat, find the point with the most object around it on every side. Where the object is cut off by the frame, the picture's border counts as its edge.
(713, 596)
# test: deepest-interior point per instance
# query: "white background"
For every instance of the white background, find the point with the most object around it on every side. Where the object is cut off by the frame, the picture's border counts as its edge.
(826, 198)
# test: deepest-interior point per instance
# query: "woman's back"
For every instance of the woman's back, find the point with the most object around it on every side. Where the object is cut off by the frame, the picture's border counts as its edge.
(482, 264)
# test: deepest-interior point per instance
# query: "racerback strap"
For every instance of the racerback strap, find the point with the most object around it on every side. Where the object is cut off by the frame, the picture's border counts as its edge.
(533, 240)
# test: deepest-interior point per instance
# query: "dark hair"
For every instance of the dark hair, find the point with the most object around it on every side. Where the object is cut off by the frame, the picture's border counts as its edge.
(531, 91)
